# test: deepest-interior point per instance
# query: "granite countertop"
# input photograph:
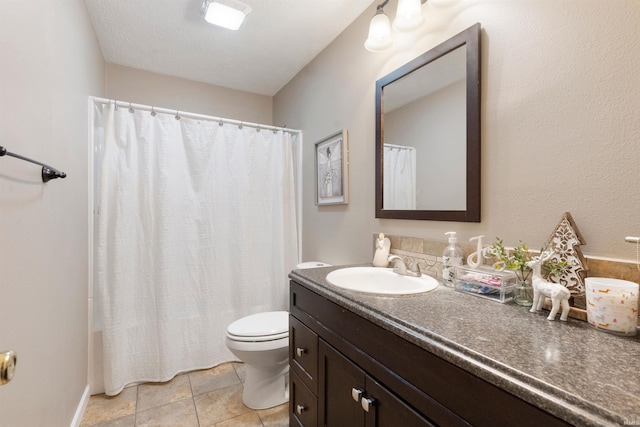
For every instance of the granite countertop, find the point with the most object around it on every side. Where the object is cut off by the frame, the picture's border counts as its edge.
(569, 369)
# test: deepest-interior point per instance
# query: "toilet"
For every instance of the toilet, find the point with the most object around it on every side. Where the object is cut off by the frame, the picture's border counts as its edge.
(261, 341)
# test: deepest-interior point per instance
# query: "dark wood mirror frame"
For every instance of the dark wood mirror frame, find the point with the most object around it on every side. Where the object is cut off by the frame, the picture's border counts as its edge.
(471, 38)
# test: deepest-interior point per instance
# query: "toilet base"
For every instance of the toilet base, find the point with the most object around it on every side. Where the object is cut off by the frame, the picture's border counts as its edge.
(266, 388)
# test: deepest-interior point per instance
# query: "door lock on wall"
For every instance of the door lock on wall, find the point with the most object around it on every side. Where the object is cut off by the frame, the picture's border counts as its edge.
(8, 361)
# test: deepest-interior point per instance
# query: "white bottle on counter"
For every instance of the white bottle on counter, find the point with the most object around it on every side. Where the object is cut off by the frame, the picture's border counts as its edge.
(451, 257)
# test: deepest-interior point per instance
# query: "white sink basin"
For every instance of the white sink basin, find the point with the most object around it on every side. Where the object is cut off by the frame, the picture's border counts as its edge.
(377, 280)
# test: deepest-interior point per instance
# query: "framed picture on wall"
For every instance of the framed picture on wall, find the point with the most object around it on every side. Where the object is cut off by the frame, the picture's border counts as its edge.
(332, 169)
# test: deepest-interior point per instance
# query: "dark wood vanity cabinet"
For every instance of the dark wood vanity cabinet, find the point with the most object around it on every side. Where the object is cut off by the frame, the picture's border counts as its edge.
(347, 371)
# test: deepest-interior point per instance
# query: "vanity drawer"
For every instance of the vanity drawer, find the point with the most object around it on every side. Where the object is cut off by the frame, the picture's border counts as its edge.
(303, 410)
(303, 353)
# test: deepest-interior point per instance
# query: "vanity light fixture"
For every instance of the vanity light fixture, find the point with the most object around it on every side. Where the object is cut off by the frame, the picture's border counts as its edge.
(225, 13)
(408, 15)
(408, 18)
(379, 30)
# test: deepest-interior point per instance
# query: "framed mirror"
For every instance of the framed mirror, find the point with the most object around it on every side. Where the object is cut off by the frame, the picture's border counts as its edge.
(428, 134)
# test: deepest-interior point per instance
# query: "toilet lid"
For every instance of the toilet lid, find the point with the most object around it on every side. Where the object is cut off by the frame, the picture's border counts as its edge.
(261, 325)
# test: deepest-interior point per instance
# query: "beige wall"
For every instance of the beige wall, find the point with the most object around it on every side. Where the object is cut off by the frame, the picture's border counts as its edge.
(142, 87)
(560, 124)
(50, 62)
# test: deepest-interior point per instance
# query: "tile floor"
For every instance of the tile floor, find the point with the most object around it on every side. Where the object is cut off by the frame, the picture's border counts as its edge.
(206, 398)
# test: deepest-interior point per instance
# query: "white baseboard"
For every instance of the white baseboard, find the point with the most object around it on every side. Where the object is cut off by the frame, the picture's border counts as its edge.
(82, 406)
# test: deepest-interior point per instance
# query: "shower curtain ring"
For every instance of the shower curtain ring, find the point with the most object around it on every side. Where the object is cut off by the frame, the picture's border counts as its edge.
(240, 125)
(130, 108)
(153, 113)
(177, 115)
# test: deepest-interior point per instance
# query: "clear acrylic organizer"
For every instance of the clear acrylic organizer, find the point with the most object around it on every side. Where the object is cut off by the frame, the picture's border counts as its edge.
(485, 282)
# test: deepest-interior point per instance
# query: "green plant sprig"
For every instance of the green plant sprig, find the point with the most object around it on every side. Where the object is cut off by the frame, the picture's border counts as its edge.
(517, 258)
(554, 268)
(514, 260)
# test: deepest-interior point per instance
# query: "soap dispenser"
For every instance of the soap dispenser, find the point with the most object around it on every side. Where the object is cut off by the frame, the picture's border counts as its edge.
(451, 257)
(381, 256)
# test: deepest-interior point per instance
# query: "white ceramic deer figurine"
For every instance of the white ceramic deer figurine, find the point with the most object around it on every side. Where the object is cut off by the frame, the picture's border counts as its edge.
(559, 294)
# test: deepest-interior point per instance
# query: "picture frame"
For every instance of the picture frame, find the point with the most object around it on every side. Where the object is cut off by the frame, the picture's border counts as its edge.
(332, 169)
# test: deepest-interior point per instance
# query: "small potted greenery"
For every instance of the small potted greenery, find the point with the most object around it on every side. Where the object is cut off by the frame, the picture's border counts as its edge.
(516, 260)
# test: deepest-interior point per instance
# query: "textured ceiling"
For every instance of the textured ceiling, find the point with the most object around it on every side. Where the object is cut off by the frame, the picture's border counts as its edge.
(278, 38)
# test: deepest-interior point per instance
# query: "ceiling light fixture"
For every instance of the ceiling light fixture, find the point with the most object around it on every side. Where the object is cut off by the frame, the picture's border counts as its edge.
(408, 18)
(225, 13)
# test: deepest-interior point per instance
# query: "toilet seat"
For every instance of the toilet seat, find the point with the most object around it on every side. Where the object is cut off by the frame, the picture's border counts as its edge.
(268, 326)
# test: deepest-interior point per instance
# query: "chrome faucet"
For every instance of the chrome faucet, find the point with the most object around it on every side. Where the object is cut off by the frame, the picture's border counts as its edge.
(400, 267)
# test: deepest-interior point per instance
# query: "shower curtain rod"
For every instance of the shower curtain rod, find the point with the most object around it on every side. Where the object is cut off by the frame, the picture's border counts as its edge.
(179, 114)
(399, 147)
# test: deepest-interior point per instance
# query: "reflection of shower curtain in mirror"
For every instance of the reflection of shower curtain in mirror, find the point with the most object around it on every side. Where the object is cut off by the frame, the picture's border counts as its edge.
(399, 177)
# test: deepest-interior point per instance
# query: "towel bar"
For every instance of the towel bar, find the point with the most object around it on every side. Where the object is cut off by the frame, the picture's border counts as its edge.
(48, 173)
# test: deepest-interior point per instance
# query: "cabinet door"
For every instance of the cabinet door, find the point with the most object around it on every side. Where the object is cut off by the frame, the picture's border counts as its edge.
(340, 405)
(338, 379)
(387, 410)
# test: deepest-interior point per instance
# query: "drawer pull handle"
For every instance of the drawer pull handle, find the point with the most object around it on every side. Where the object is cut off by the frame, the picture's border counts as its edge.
(367, 403)
(300, 408)
(356, 394)
(300, 351)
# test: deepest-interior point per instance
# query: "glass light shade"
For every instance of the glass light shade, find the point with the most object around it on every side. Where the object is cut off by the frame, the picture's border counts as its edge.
(379, 33)
(409, 15)
(226, 16)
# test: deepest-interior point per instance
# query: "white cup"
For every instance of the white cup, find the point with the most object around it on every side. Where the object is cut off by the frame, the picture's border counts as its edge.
(612, 305)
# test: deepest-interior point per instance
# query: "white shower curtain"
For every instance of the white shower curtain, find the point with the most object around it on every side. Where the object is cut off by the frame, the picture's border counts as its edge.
(399, 177)
(197, 228)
